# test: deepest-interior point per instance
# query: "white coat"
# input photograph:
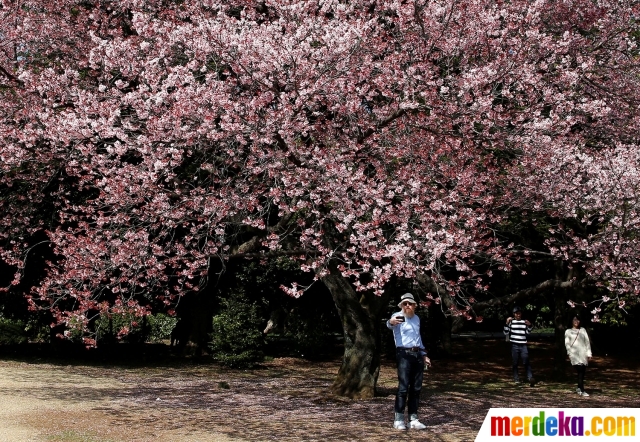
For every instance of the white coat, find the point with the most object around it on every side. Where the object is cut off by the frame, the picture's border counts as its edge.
(578, 346)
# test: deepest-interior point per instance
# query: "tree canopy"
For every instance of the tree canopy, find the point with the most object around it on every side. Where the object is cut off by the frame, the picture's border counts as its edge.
(368, 139)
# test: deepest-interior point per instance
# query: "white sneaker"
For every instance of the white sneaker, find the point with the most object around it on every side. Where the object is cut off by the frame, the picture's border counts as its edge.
(584, 393)
(417, 425)
(579, 391)
(399, 425)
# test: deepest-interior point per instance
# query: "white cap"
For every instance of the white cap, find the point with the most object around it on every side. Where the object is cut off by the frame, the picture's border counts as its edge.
(406, 297)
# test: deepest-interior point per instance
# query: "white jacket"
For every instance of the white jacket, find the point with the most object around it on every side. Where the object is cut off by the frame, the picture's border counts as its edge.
(578, 346)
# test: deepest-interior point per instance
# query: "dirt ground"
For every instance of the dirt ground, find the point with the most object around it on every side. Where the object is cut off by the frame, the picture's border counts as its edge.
(283, 400)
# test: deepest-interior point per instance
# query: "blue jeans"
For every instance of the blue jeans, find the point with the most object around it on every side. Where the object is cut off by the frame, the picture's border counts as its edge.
(520, 351)
(410, 371)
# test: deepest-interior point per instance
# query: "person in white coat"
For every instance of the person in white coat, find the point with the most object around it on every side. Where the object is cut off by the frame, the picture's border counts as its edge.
(576, 341)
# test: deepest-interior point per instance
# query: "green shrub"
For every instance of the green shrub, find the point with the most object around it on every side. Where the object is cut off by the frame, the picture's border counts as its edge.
(150, 328)
(236, 340)
(36, 331)
(160, 327)
(109, 326)
(12, 332)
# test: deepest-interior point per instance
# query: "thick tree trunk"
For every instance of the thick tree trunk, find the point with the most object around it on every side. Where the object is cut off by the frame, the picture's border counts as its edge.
(195, 321)
(360, 314)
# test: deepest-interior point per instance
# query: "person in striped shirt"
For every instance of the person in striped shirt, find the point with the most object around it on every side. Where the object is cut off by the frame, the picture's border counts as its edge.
(517, 330)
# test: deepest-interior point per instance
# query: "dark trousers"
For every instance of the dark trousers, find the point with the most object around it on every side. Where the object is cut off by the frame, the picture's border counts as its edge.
(520, 351)
(410, 371)
(581, 370)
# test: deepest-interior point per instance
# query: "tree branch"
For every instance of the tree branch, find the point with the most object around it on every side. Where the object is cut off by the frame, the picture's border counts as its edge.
(384, 123)
(529, 292)
(10, 76)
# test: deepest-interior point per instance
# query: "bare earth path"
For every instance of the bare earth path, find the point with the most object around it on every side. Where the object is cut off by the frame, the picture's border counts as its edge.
(285, 400)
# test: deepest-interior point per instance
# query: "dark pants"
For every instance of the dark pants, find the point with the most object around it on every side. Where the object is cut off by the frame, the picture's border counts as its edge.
(581, 369)
(410, 371)
(520, 351)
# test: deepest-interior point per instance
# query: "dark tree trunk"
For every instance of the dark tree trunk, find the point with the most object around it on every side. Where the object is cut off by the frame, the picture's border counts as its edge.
(559, 319)
(445, 336)
(195, 315)
(452, 324)
(445, 323)
(360, 314)
(561, 295)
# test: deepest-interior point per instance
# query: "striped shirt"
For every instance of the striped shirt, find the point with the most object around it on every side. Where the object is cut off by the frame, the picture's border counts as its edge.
(517, 331)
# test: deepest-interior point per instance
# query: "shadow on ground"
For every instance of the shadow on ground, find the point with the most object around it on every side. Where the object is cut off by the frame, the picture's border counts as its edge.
(286, 399)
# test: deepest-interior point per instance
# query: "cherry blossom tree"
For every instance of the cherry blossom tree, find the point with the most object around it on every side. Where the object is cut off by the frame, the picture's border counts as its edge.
(371, 140)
